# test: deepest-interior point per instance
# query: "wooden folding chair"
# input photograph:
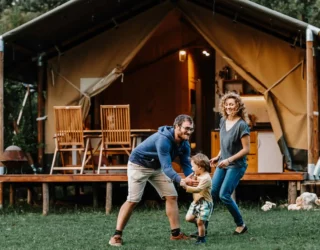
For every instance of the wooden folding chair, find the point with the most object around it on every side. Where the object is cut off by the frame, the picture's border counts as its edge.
(115, 132)
(69, 137)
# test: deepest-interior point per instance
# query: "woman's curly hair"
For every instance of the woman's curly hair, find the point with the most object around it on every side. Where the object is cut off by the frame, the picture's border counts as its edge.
(240, 108)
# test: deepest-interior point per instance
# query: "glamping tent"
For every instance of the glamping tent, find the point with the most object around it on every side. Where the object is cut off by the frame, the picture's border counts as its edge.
(114, 52)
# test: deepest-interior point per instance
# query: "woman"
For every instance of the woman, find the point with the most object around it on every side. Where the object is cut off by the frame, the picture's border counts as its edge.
(234, 146)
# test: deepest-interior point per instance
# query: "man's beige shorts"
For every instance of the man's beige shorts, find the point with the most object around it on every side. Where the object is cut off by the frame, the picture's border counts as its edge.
(137, 180)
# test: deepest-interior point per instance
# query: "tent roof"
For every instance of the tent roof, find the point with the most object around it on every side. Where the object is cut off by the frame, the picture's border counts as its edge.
(79, 20)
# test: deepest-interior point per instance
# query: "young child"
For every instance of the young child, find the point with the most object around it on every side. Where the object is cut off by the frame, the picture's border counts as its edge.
(200, 209)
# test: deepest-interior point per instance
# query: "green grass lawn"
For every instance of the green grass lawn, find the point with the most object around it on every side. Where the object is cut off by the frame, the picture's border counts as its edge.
(149, 229)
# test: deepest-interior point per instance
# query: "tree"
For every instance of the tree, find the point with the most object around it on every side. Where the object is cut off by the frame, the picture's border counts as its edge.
(304, 10)
(17, 12)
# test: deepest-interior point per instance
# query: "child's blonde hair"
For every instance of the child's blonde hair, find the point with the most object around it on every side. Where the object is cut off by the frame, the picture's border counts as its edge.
(202, 161)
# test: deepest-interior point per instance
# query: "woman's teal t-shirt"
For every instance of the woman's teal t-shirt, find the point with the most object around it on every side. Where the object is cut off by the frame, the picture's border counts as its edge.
(230, 142)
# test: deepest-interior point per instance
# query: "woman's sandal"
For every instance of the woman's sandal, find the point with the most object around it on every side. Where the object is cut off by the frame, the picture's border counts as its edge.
(245, 229)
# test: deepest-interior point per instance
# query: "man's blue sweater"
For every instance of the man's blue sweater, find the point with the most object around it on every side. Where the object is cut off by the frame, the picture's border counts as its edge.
(159, 150)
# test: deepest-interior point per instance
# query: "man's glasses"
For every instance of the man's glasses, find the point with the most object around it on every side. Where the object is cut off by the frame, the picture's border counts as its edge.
(187, 128)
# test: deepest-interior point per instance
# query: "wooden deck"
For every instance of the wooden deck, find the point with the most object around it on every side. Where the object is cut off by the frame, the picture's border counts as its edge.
(294, 179)
(122, 177)
(65, 178)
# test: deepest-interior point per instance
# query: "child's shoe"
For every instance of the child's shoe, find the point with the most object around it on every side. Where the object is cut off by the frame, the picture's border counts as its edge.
(196, 234)
(201, 240)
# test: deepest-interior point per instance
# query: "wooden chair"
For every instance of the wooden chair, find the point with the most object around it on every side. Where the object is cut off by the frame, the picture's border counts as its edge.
(115, 132)
(69, 137)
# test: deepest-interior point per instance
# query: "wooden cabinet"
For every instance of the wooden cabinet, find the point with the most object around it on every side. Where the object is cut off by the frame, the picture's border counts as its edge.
(215, 143)
(252, 157)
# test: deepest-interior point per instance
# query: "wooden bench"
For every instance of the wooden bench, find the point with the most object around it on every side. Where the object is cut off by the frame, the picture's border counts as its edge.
(294, 180)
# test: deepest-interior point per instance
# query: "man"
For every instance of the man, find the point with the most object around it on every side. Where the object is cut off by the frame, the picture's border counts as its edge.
(151, 161)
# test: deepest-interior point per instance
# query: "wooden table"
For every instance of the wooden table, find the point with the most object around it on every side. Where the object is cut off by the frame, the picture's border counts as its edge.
(95, 138)
(134, 130)
(136, 134)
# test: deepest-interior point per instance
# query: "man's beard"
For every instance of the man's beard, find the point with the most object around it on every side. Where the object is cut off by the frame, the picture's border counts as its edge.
(183, 139)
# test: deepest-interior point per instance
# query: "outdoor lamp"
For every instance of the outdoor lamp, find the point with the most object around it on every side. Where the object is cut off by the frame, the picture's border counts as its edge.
(206, 53)
(182, 55)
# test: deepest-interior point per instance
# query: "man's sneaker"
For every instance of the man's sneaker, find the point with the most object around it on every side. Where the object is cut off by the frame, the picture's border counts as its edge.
(115, 241)
(200, 241)
(181, 236)
(196, 234)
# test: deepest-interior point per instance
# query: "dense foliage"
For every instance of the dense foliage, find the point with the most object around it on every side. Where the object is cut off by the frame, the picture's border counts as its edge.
(304, 10)
(16, 12)
(13, 14)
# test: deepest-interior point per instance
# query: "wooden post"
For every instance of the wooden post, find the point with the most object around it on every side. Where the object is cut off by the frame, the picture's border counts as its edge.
(108, 197)
(76, 190)
(11, 194)
(303, 188)
(199, 115)
(310, 95)
(312, 188)
(52, 192)
(315, 99)
(29, 195)
(292, 192)
(317, 191)
(65, 190)
(1, 195)
(45, 198)
(40, 111)
(1, 96)
(95, 195)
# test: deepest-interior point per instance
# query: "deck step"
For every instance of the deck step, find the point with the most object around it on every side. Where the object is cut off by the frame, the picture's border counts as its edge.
(114, 167)
(67, 168)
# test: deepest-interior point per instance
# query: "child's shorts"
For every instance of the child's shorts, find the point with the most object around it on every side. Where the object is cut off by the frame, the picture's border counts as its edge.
(202, 209)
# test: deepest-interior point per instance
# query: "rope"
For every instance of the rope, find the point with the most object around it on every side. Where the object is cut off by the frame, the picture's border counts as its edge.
(74, 86)
(282, 78)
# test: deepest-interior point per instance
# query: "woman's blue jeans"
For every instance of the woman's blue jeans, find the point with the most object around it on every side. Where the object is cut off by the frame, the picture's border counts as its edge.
(224, 182)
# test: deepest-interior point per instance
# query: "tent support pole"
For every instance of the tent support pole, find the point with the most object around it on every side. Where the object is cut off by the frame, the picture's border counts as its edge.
(1, 95)
(315, 111)
(40, 122)
(312, 131)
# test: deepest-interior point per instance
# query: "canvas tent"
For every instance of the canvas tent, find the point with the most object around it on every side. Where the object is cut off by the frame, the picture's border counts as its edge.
(266, 48)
